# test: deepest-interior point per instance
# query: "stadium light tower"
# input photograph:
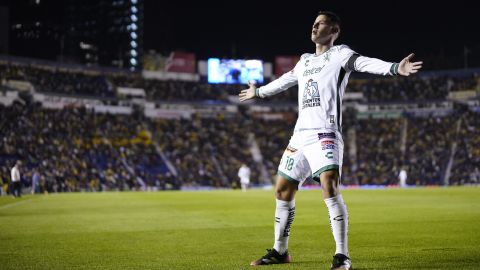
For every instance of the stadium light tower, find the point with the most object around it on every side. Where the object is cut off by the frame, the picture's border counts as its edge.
(114, 28)
(135, 34)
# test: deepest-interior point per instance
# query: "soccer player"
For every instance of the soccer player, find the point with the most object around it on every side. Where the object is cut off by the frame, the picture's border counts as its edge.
(316, 146)
(244, 175)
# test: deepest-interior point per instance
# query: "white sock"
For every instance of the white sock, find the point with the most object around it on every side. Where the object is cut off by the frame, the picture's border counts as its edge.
(337, 211)
(284, 214)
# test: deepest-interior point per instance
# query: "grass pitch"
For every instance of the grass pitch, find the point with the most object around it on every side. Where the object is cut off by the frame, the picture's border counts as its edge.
(421, 228)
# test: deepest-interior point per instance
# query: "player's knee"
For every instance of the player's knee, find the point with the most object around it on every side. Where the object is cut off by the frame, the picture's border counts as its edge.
(329, 181)
(285, 190)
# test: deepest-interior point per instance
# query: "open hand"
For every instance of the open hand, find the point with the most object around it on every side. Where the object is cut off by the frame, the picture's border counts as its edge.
(248, 93)
(405, 68)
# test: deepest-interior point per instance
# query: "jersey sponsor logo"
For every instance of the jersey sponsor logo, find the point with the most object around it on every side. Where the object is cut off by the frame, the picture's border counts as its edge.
(312, 71)
(329, 135)
(315, 70)
(329, 155)
(311, 90)
(311, 94)
(328, 145)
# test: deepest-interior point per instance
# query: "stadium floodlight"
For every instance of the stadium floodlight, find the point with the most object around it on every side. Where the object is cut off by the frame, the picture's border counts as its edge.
(134, 10)
(133, 1)
(134, 18)
(133, 52)
(133, 35)
(133, 61)
(133, 26)
(133, 44)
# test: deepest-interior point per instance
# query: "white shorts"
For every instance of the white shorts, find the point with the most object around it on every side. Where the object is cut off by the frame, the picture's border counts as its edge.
(323, 152)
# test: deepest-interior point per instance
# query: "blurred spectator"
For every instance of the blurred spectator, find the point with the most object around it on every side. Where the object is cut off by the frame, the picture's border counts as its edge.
(16, 180)
(244, 175)
(402, 178)
(3, 182)
(35, 180)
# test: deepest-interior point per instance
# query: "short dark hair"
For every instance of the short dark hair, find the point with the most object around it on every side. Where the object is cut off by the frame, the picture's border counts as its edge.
(332, 17)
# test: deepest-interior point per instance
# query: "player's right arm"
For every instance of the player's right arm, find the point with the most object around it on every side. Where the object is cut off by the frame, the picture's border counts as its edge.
(281, 84)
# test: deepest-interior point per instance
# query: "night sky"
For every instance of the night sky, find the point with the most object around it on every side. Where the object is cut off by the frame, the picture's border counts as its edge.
(436, 32)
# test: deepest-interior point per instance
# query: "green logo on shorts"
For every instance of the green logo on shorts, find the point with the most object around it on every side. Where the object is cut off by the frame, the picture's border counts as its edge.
(329, 155)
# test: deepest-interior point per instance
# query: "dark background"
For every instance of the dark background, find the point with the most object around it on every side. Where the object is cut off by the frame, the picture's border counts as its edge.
(439, 33)
(388, 29)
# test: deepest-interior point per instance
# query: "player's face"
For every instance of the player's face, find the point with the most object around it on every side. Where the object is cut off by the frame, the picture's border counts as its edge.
(323, 30)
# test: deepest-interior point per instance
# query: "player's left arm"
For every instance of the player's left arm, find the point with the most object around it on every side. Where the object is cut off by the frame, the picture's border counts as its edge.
(361, 63)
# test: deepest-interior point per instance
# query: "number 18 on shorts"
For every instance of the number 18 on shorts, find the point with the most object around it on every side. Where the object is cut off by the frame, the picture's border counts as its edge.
(311, 160)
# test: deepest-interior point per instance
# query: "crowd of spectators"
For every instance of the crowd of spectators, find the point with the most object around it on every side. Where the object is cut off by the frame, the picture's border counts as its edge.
(429, 148)
(403, 89)
(60, 81)
(466, 166)
(378, 154)
(93, 83)
(207, 151)
(77, 150)
(272, 137)
(172, 91)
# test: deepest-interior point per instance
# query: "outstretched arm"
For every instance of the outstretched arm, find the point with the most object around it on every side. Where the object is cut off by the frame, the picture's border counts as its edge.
(405, 67)
(377, 66)
(286, 81)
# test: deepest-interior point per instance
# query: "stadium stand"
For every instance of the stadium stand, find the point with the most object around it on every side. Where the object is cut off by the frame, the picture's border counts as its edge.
(466, 167)
(76, 149)
(82, 147)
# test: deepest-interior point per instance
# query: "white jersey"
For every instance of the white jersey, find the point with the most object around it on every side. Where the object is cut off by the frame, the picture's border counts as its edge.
(15, 174)
(244, 174)
(322, 80)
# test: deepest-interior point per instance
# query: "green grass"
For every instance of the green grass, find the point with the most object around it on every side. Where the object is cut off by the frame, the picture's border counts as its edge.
(423, 228)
